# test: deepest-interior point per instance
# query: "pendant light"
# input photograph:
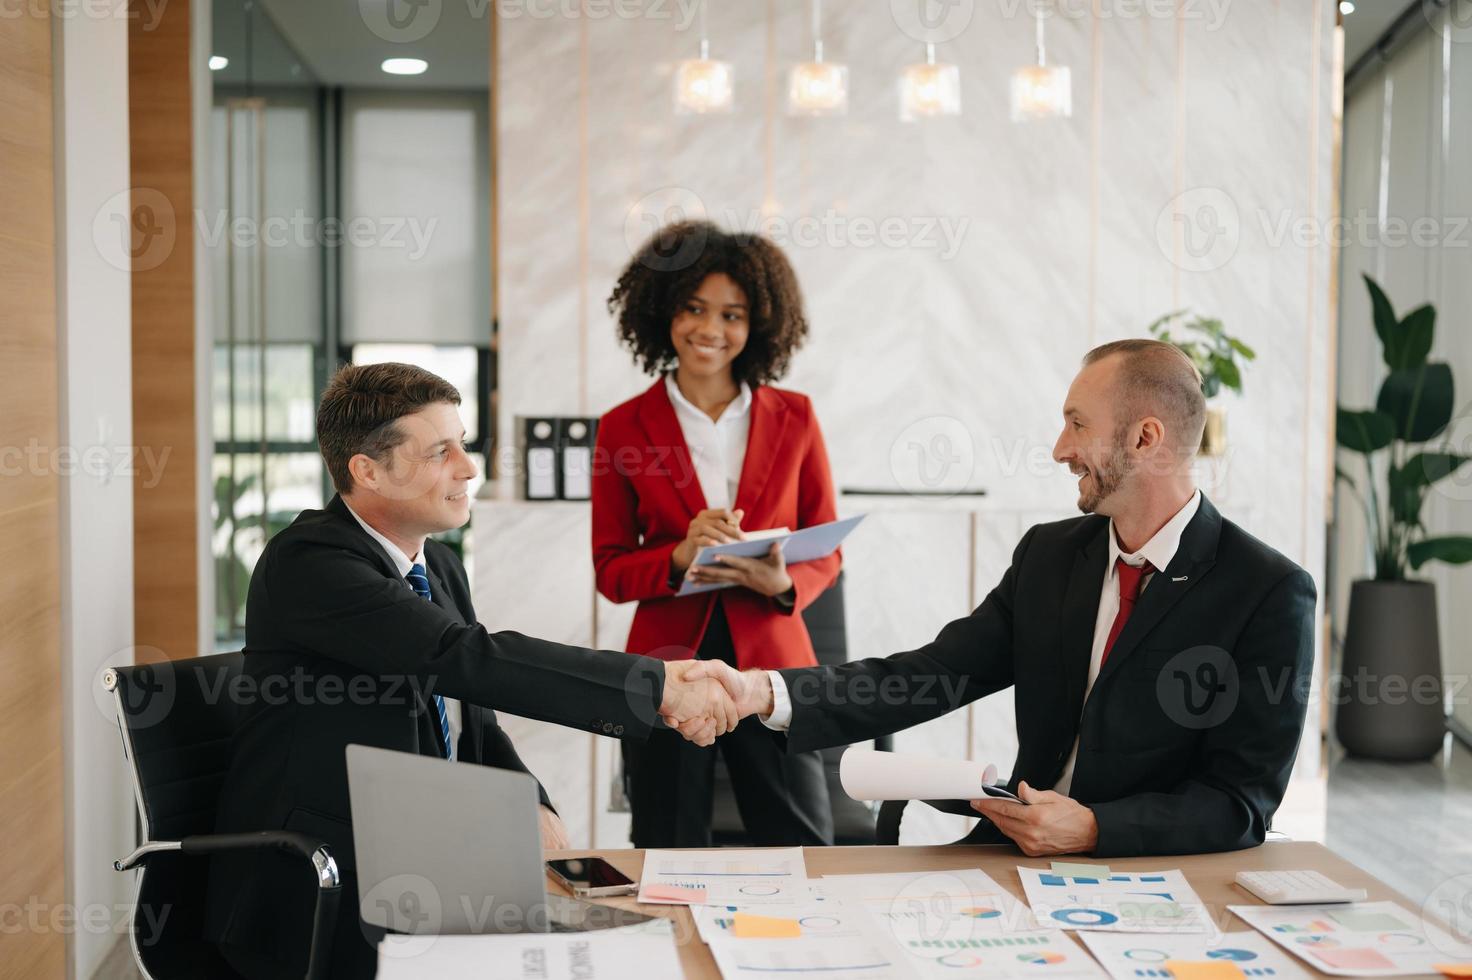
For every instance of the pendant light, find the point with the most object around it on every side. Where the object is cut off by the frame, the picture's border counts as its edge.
(703, 86)
(1041, 91)
(817, 87)
(930, 89)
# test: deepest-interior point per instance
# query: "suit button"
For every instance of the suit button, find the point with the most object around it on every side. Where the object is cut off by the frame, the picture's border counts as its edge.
(618, 729)
(594, 724)
(607, 727)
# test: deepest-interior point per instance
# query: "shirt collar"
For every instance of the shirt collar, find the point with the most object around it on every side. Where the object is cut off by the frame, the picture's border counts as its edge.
(733, 411)
(396, 554)
(1161, 548)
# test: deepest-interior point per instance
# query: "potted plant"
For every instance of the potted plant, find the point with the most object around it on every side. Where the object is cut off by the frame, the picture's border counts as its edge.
(1391, 673)
(1215, 355)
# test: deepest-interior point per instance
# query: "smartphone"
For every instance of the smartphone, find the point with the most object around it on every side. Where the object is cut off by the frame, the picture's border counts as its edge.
(591, 877)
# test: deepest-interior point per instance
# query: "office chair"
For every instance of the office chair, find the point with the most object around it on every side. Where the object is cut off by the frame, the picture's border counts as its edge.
(853, 822)
(176, 722)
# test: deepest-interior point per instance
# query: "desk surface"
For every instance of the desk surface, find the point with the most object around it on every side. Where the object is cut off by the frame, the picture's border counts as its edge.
(1210, 874)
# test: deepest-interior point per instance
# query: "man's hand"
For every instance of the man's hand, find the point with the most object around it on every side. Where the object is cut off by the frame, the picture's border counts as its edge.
(750, 691)
(765, 576)
(554, 834)
(1050, 823)
(695, 704)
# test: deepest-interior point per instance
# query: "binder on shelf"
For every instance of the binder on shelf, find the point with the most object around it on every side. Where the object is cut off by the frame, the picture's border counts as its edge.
(536, 447)
(575, 440)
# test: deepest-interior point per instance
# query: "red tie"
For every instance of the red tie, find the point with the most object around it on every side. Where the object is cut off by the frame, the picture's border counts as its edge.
(1131, 577)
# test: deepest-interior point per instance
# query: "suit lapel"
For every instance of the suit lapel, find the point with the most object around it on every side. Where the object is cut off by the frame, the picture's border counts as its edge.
(338, 507)
(439, 593)
(769, 419)
(666, 443)
(1193, 559)
(1080, 610)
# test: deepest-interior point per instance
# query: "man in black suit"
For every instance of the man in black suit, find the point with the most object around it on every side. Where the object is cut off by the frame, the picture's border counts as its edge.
(1159, 654)
(360, 630)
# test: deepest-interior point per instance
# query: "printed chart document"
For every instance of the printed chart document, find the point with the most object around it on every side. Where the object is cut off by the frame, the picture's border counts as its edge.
(913, 926)
(631, 953)
(804, 544)
(869, 775)
(725, 876)
(1142, 957)
(1361, 939)
(1136, 901)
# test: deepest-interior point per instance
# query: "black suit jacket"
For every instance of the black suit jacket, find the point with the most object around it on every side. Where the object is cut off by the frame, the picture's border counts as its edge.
(339, 650)
(1188, 737)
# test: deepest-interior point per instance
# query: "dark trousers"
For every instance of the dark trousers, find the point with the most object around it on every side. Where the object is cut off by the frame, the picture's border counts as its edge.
(783, 799)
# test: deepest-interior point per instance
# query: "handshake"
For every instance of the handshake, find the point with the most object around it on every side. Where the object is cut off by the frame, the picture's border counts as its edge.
(706, 698)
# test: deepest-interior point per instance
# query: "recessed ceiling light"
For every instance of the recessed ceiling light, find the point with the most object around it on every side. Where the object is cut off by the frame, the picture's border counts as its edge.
(405, 66)
(218, 61)
(1345, 7)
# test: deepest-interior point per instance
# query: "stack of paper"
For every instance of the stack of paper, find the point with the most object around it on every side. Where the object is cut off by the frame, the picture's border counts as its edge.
(775, 876)
(631, 953)
(1090, 897)
(1235, 955)
(1360, 939)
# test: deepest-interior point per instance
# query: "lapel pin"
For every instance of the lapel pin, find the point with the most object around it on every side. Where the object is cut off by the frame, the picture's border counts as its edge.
(1180, 578)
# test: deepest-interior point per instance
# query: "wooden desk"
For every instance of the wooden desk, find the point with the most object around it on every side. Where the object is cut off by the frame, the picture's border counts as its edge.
(1210, 874)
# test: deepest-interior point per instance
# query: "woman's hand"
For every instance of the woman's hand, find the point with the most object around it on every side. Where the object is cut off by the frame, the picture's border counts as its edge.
(714, 526)
(766, 575)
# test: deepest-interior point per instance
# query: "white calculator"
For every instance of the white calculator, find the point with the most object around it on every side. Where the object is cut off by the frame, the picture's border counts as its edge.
(1297, 888)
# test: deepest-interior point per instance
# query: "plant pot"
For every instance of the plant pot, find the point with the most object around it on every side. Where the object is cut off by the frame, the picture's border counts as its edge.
(1214, 433)
(1390, 702)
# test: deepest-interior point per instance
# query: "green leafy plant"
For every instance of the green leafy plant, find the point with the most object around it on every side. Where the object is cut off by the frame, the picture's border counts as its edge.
(1413, 408)
(1215, 353)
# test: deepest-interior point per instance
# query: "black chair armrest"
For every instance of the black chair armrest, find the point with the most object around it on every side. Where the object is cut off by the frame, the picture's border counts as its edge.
(329, 883)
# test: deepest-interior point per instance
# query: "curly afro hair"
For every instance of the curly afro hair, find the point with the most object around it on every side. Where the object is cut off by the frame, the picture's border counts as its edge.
(670, 267)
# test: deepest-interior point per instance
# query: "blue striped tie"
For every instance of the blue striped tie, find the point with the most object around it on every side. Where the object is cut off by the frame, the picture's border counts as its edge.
(418, 578)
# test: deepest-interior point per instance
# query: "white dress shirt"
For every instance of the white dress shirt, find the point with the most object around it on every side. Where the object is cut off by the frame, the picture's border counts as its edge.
(717, 448)
(1158, 551)
(403, 563)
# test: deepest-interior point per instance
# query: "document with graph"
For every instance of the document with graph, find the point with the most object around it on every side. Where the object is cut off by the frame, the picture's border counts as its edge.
(725, 876)
(1115, 901)
(1359, 939)
(1157, 957)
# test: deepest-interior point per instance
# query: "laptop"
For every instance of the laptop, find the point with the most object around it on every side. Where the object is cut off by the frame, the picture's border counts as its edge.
(446, 848)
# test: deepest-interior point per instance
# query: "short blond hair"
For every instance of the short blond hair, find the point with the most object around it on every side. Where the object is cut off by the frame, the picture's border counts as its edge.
(1157, 378)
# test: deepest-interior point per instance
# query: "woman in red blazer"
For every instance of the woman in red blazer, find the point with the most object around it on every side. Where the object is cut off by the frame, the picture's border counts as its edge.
(707, 453)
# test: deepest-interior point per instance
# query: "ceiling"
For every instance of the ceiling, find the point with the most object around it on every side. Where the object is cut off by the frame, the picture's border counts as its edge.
(343, 42)
(1369, 20)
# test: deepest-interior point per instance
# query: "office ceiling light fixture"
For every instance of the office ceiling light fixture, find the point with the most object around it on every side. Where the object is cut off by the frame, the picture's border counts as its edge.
(404, 66)
(218, 62)
(930, 89)
(1041, 91)
(703, 86)
(817, 87)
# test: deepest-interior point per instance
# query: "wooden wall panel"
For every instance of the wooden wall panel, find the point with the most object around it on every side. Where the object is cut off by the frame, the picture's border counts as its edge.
(165, 526)
(31, 817)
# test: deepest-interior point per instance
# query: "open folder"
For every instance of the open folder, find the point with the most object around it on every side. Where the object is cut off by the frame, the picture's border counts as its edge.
(805, 544)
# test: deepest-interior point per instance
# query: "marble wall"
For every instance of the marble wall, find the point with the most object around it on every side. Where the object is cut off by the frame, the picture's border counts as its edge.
(1202, 138)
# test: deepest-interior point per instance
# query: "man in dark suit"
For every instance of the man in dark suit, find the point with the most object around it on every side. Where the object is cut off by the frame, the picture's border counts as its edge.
(1159, 654)
(360, 630)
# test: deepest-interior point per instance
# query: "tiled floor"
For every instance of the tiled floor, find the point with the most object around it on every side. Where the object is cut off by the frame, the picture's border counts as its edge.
(1409, 824)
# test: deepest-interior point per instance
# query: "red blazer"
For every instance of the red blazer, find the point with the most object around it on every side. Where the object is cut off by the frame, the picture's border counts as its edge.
(645, 491)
